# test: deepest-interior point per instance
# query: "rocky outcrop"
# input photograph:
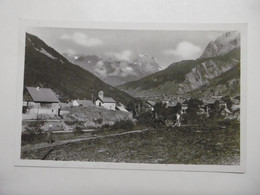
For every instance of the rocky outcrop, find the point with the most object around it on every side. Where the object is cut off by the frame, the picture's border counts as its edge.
(222, 45)
(204, 73)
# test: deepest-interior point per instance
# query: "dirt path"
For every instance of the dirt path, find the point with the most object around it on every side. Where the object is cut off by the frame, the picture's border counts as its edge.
(58, 143)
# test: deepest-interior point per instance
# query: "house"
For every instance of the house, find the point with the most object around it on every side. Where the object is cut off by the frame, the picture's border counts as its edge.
(40, 101)
(84, 103)
(105, 102)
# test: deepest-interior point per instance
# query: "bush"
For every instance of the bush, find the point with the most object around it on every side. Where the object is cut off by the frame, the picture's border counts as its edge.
(228, 101)
(105, 127)
(79, 127)
(146, 119)
(123, 124)
(71, 122)
(78, 130)
(34, 127)
(98, 121)
(194, 106)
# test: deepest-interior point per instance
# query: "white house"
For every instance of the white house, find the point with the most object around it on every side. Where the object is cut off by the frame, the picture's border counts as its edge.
(105, 102)
(84, 103)
(40, 101)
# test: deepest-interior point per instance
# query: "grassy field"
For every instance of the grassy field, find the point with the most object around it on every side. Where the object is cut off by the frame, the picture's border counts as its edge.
(184, 145)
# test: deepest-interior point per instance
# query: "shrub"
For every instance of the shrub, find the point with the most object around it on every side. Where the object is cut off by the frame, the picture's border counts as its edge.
(71, 122)
(193, 106)
(146, 119)
(228, 101)
(79, 127)
(34, 127)
(78, 130)
(124, 124)
(98, 121)
(105, 127)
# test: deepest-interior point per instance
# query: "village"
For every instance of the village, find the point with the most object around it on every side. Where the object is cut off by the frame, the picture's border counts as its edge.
(44, 114)
(142, 131)
(42, 102)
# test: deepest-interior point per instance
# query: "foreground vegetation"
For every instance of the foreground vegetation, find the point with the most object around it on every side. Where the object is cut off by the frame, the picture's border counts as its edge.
(202, 138)
(183, 145)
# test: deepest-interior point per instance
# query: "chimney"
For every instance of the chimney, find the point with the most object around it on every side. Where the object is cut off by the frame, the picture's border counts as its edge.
(38, 88)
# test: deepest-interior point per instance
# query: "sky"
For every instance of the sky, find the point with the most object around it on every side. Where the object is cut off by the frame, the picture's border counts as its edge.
(167, 46)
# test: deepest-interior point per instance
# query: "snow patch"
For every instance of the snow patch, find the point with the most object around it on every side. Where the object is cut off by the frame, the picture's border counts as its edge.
(43, 51)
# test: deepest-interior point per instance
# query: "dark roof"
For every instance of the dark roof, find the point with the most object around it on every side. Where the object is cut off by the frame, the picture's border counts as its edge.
(85, 103)
(42, 95)
(107, 100)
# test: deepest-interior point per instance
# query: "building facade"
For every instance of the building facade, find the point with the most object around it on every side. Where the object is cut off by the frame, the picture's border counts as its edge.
(40, 101)
(105, 102)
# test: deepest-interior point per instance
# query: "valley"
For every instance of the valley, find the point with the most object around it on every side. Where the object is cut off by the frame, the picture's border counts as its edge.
(117, 108)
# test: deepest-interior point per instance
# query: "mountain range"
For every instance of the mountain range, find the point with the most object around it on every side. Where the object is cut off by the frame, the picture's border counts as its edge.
(45, 67)
(217, 69)
(114, 71)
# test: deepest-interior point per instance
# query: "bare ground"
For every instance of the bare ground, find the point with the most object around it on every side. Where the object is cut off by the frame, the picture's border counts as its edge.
(185, 145)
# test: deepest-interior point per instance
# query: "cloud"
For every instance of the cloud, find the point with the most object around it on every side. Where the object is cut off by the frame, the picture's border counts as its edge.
(70, 51)
(125, 55)
(101, 69)
(122, 69)
(82, 39)
(65, 36)
(185, 50)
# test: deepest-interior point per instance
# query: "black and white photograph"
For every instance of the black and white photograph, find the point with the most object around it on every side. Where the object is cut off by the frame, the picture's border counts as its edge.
(131, 96)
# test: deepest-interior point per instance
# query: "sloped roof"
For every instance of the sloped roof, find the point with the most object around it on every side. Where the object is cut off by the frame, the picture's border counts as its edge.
(85, 103)
(107, 100)
(42, 95)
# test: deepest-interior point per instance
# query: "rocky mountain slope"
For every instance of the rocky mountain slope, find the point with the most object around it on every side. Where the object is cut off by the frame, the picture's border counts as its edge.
(190, 75)
(227, 84)
(116, 72)
(222, 45)
(45, 67)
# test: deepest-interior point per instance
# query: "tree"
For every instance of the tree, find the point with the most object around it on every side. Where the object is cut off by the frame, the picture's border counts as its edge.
(160, 110)
(228, 101)
(178, 107)
(194, 106)
(145, 118)
(131, 106)
(216, 110)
